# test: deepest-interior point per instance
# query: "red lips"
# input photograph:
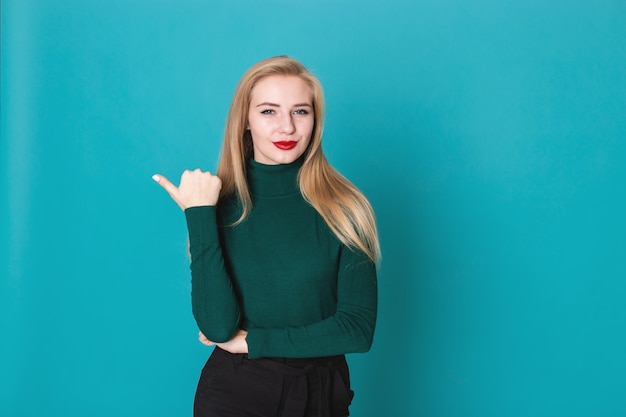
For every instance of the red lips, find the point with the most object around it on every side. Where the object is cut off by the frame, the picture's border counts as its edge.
(285, 145)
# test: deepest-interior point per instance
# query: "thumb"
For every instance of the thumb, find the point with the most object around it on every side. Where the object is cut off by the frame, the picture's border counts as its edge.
(171, 189)
(165, 183)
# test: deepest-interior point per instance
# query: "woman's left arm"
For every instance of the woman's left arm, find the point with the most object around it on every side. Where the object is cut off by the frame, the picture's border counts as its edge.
(349, 329)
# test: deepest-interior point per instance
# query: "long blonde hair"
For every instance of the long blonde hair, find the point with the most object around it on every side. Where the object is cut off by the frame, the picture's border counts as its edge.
(342, 206)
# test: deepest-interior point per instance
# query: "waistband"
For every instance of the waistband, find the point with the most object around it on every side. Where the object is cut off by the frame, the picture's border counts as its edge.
(300, 366)
(325, 370)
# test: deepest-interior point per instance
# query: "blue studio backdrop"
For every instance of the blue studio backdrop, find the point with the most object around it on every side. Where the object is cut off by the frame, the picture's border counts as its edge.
(489, 136)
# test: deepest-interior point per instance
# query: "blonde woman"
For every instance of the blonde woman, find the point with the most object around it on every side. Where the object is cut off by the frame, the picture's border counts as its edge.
(283, 256)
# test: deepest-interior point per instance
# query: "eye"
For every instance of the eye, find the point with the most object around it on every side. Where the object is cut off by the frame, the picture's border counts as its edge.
(268, 111)
(301, 111)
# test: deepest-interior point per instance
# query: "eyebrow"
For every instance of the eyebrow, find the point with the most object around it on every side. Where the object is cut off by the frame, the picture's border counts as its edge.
(266, 103)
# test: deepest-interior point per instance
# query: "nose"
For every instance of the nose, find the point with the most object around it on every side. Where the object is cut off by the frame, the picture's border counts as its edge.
(286, 124)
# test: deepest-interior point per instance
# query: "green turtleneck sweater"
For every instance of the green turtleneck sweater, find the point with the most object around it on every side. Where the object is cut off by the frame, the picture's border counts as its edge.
(281, 274)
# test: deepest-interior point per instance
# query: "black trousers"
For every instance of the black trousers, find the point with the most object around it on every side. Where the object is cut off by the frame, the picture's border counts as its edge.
(233, 385)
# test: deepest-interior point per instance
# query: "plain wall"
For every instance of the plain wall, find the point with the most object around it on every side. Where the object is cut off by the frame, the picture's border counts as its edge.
(489, 137)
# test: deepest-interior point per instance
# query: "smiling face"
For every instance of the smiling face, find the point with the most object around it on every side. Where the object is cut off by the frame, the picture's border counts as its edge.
(280, 119)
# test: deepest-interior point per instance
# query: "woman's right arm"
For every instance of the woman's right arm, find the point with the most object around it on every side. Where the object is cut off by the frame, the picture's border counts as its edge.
(213, 299)
(214, 302)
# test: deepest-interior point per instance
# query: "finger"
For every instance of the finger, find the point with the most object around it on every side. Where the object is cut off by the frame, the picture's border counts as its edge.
(171, 189)
(165, 183)
(202, 338)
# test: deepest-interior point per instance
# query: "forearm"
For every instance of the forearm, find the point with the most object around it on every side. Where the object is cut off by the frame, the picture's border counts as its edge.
(339, 334)
(349, 329)
(214, 302)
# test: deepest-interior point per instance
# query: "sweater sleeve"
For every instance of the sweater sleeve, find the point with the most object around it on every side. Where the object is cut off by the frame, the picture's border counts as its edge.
(350, 329)
(214, 301)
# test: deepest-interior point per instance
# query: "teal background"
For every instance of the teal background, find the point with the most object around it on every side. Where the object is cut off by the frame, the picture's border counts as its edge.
(489, 136)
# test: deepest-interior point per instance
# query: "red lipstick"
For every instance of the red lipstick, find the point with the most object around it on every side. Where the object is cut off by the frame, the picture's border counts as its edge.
(285, 145)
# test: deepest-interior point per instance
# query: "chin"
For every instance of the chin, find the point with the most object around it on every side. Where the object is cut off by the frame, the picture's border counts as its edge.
(276, 157)
(288, 159)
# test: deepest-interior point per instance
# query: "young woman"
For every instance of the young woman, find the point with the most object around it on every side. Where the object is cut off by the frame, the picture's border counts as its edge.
(283, 256)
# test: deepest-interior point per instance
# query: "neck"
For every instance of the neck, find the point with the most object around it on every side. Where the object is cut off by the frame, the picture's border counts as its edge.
(273, 180)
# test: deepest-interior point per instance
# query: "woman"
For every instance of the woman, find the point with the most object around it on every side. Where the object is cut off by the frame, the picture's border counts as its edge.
(283, 256)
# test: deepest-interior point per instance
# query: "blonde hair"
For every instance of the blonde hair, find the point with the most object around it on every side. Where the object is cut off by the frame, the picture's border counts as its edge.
(342, 206)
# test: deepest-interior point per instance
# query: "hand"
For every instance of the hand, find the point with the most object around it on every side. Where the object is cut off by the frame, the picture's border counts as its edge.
(202, 338)
(196, 188)
(237, 344)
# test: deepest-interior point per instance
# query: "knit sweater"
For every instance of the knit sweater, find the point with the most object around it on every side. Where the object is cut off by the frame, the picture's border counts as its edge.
(281, 274)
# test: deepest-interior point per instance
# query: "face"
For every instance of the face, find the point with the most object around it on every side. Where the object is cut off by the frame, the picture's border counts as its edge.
(280, 119)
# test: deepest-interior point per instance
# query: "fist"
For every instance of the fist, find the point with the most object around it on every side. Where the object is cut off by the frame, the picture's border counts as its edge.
(196, 188)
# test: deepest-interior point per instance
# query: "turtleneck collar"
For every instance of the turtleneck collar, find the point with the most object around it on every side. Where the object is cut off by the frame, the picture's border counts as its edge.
(273, 180)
